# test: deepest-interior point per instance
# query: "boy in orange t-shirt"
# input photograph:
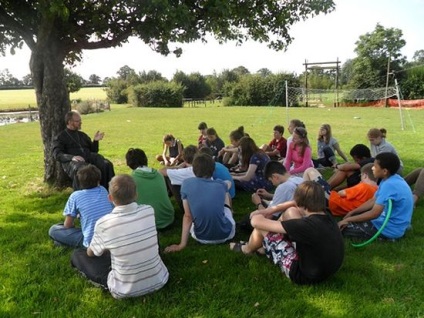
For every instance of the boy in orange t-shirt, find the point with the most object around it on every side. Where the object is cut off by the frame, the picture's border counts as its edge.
(343, 201)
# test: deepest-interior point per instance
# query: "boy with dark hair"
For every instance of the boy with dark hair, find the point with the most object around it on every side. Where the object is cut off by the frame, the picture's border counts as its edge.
(203, 138)
(214, 142)
(207, 213)
(89, 204)
(286, 185)
(343, 201)
(368, 218)
(277, 147)
(221, 172)
(183, 171)
(351, 171)
(124, 253)
(174, 176)
(151, 187)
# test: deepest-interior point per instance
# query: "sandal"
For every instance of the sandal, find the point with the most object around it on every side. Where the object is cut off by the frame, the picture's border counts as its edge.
(237, 247)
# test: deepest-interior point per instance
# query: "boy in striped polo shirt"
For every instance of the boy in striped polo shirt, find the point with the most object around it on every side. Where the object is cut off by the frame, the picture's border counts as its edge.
(88, 204)
(124, 253)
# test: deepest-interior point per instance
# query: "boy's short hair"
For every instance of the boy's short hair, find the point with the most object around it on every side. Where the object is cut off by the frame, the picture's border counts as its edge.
(389, 161)
(89, 176)
(203, 166)
(188, 153)
(274, 167)
(211, 132)
(279, 128)
(168, 137)
(367, 169)
(360, 151)
(135, 158)
(202, 126)
(310, 195)
(206, 150)
(123, 190)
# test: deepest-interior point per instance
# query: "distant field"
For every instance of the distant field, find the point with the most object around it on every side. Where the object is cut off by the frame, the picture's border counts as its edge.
(22, 98)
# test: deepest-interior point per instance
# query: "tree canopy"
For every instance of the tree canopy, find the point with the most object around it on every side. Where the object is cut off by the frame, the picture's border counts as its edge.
(374, 51)
(57, 32)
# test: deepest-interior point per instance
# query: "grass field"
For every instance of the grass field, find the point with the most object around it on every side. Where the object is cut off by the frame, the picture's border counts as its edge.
(36, 280)
(23, 98)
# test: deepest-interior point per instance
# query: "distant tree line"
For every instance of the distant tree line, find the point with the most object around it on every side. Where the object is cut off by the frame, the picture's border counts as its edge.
(235, 87)
(377, 64)
(73, 80)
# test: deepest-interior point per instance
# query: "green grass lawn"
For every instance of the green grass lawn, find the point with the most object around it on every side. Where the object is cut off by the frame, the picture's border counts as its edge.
(24, 98)
(36, 280)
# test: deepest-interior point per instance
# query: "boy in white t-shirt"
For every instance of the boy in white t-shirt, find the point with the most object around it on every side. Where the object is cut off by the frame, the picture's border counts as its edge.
(174, 176)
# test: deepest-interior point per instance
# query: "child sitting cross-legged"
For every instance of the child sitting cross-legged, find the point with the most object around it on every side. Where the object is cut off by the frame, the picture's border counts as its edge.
(343, 201)
(123, 255)
(285, 185)
(207, 212)
(305, 242)
(368, 219)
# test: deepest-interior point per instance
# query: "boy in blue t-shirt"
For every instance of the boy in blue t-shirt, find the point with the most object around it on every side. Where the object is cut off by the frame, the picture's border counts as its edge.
(88, 204)
(366, 220)
(207, 212)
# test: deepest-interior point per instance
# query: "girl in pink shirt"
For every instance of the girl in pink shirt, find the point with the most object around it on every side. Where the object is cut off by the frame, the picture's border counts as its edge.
(299, 154)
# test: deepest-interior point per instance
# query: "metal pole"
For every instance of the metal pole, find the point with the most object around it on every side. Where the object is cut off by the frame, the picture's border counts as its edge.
(399, 103)
(387, 81)
(287, 103)
(306, 82)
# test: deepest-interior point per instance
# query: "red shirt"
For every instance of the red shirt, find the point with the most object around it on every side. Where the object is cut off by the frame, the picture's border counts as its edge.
(280, 145)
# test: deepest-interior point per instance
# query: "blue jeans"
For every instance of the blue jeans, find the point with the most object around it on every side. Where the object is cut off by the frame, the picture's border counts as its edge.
(66, 236)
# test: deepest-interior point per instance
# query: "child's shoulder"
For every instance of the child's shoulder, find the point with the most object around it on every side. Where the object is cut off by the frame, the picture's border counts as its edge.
(394, 182)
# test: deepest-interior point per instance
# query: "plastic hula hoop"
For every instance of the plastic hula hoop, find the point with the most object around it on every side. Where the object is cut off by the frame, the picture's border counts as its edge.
(389, 212)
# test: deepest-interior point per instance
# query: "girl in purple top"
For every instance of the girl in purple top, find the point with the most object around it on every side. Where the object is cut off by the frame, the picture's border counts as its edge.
(299, 154)
(255, 160)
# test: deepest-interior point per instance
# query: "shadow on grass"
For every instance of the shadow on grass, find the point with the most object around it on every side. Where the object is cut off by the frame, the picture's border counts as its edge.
(205, 281)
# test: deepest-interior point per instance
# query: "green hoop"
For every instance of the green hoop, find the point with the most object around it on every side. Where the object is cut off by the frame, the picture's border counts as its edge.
(389, 212)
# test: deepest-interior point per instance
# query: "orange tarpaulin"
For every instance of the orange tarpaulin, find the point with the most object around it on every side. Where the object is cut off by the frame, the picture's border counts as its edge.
(416, 103)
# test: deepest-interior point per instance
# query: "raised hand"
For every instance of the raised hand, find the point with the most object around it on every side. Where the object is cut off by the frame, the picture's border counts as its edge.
(98, 136)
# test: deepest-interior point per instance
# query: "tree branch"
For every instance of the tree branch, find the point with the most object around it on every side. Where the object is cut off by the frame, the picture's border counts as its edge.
(103, 43)
(9, 22)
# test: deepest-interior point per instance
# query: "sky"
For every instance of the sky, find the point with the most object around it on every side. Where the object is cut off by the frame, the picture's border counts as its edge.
(319, 39)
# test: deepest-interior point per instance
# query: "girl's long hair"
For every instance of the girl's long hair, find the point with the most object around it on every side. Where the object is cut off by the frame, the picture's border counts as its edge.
(326, 138)
(237, 134)
(248, 149)
(302, 133)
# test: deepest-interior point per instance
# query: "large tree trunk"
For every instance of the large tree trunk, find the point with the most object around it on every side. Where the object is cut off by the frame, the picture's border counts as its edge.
(47, 70)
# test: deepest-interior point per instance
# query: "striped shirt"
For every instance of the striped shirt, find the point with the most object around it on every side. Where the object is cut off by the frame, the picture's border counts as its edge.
(91, 205)
(129, 233)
